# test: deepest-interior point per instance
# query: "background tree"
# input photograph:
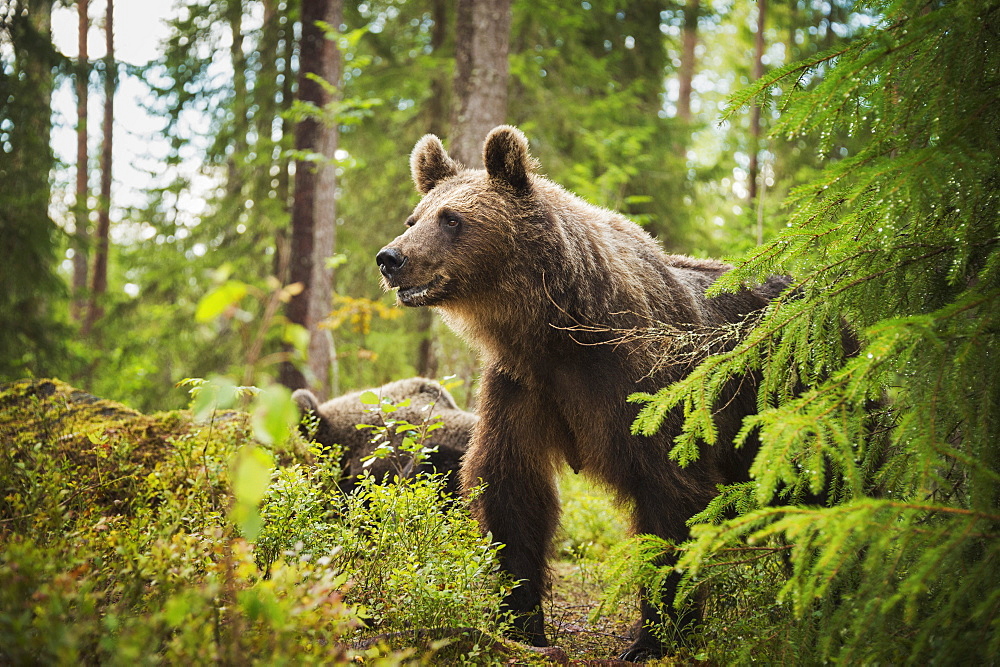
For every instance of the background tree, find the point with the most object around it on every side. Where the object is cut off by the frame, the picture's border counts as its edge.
(482, 31)
(99, 282)
(689, 42)
(31, 334)
(314, 209)
(82, 205)
(593, 84)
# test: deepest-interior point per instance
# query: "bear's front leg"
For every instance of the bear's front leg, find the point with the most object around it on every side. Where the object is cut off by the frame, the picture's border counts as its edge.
(512, 454)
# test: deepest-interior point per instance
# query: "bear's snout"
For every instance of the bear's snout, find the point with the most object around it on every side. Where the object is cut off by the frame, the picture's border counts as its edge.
(390, 261)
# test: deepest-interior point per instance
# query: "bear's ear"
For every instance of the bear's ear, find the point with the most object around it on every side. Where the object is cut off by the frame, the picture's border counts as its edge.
(430, 164)
(505, 154)
(308, 403)
(306, 400)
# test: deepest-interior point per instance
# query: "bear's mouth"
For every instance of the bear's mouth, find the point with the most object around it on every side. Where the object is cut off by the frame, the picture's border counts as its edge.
(422, 295)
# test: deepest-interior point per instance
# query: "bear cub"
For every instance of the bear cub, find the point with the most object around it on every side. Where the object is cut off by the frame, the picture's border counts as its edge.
(339, 417)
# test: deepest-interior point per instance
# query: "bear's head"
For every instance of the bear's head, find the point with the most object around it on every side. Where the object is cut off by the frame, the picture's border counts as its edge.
(469, 224)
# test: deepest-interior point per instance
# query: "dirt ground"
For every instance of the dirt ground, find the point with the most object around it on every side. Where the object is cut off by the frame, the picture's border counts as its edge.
(576, 593)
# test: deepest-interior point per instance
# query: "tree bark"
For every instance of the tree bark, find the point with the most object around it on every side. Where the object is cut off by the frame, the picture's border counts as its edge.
(755, 126)
(437, 106)
(314, 207)
(265, 93)
(81, 208)
(99, 283)
(322, 356)
(286, 53)
(689, 41)
(481, 47)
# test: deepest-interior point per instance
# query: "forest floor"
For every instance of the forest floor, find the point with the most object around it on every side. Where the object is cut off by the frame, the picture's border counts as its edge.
(576, 593)
(582, 639)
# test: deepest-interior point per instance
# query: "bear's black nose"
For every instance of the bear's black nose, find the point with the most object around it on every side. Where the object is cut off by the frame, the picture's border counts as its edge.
(389, 261)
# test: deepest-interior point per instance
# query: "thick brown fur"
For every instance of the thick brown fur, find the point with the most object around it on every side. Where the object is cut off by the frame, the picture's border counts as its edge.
(543, 284)
(339, 418)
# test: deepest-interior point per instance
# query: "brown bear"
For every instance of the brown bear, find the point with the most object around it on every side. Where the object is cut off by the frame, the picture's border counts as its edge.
(339, 418)
(546, 287)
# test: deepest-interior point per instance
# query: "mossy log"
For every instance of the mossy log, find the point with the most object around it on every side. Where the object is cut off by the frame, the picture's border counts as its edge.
(106, 450)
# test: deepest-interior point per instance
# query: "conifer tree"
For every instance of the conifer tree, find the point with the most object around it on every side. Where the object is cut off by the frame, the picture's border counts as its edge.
(29, 329)
(901, 241)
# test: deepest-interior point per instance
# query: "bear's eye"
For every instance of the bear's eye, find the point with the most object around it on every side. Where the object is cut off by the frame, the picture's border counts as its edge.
(411, 221)
(451, 220)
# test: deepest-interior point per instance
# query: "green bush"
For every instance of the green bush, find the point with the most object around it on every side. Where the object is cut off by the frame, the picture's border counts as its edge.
(110, 555)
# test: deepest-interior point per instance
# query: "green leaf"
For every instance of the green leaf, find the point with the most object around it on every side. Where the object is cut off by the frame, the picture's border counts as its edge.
(220, 299)
(176, 609)
(248, 519)
(275, 415)
(297, 336)
(251, 474)
(217, 393)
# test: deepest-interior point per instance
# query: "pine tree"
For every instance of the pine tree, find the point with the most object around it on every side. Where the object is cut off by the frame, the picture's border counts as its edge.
(901, 241)
(30, 331)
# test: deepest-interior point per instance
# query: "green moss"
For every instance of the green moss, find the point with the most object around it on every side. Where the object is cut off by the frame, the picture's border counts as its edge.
(101, 446)
(105, 456)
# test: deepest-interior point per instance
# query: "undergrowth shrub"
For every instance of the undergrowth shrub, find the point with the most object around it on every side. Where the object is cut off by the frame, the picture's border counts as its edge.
(417, 558)
(138, 554)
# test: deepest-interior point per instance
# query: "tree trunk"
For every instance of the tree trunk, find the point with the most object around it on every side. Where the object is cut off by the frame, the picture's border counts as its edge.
(481, 46)
(314, 208)
(755, 129)
(81, 208)
(287, 51)
(99, 284)
(689, 41)
(265, 96)
(437, 109)
(322, 356)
